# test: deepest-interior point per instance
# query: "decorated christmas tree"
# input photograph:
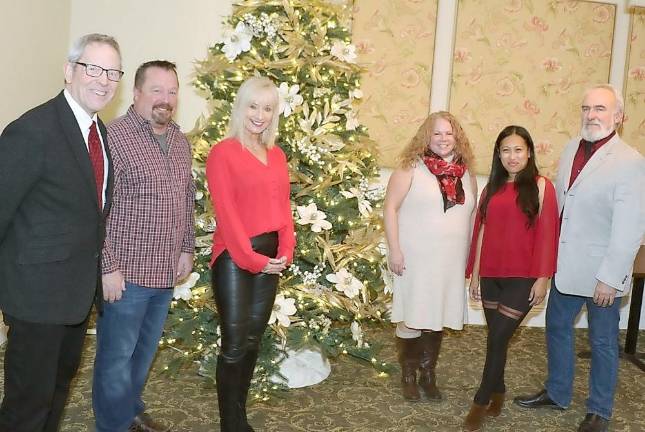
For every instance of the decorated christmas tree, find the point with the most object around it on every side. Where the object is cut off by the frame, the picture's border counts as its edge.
(336, 282)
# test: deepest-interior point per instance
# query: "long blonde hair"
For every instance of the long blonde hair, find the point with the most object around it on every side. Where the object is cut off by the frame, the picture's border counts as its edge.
(245, 94)
(421, 140)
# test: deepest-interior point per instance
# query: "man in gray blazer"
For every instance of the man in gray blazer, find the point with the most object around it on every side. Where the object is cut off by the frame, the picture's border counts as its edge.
(601, 196)
(55, 188)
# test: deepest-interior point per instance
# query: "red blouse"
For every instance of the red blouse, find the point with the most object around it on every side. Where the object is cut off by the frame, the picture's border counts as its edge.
(249, 198)
(509, 248)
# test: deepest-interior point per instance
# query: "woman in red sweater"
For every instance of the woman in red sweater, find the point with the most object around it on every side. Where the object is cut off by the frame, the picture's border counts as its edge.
(513, 253)
(248, 180)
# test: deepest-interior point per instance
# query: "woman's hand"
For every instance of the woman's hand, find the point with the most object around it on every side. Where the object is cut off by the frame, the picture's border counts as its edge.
(538, 291)
(474, 290)
(396, 262)
(275, 265)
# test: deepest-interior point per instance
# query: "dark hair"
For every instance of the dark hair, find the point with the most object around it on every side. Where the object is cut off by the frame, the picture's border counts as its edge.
(525, 181)
(139, 76)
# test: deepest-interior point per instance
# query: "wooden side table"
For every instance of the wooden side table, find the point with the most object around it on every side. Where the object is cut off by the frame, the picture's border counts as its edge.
(635, 311)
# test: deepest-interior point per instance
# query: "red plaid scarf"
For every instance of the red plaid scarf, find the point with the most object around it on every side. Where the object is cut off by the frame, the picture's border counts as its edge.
(449, 176)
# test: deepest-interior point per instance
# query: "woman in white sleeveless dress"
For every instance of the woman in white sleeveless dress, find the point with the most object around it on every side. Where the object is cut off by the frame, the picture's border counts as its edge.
(428, 214)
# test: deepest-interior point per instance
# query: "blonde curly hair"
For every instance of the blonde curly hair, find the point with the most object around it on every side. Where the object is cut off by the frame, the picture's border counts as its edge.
(421, 140)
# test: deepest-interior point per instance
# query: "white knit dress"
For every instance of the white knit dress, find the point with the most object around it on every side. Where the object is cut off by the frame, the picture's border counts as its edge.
(431, 294)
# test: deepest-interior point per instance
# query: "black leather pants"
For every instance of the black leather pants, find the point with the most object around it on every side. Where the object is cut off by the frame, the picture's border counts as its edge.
(244, 302)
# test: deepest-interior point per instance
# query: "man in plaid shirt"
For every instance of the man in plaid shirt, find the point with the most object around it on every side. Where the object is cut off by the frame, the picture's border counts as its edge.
(148, 248)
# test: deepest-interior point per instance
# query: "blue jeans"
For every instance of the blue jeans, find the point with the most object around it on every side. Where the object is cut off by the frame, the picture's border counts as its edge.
(561, 313)
(128, 333)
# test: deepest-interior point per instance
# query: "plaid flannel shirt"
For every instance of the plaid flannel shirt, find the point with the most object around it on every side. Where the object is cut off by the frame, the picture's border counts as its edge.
(151, 221)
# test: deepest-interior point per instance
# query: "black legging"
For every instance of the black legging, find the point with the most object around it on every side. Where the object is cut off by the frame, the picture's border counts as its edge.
(506, 303)
(244, 302)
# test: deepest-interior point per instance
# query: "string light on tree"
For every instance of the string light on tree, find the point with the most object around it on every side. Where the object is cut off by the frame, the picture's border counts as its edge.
(304, 43)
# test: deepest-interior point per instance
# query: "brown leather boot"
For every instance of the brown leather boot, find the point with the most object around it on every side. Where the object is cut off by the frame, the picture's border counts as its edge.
(496, 404)
(475, 418)
(409, 354)
(430, 345)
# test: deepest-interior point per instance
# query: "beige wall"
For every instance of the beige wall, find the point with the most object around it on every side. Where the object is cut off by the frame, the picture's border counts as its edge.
(34, 36)
(34, 54)
(397, 88)
(148, 30)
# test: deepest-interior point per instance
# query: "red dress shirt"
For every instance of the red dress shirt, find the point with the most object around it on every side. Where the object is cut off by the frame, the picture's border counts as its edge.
(581, 159)
(509, 248)
(249, 199)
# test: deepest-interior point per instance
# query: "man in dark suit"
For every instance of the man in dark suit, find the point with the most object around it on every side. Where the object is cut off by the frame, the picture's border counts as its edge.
(55, 181)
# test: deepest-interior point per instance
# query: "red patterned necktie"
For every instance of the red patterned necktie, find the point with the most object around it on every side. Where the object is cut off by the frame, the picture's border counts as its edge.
(96, 157)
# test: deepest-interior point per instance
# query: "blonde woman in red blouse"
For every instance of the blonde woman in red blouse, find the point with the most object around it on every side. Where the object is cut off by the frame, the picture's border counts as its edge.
(513, 253)
(248, 180)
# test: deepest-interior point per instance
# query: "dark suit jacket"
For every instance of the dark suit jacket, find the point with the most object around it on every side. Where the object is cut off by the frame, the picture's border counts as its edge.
(51, 229)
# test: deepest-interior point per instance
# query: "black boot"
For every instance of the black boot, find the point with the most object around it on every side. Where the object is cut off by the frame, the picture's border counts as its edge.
(430, 346)
(246, 375)
(409, 354)
(227, 377)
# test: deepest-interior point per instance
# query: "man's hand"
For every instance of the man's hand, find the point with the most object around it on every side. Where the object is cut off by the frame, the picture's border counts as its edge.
(604, 295)
(184, 266)
(113, 286)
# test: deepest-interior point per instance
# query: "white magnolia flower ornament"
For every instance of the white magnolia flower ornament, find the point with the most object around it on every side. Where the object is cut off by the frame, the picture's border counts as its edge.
(289, 98)
(344, 52)
(346, 283)
(356, 94)
(282, 309)
(236, 41)
(357, 333)
(364, 206)
(388, 281)
(352, 121)
(311, 215)
(183, 291)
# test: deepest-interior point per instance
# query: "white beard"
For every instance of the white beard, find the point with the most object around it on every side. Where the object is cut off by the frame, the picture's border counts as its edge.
(594, 135)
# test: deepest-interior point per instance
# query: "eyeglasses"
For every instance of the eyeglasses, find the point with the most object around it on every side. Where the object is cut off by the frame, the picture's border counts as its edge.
(96, 71)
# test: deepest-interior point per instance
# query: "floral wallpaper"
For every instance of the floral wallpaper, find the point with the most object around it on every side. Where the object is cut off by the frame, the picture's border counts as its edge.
(395, 42)
(634, 126)
(527, 62)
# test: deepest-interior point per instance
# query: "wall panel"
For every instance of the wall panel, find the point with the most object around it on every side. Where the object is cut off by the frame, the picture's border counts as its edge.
(527, 62)
(395, 42)
(634, 126)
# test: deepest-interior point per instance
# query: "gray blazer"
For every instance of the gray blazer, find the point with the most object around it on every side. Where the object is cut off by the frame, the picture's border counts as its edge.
(603, 218)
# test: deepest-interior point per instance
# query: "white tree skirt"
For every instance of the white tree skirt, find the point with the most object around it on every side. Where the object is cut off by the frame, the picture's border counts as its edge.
(303, 368)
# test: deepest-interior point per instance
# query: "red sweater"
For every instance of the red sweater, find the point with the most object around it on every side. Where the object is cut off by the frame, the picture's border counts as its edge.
(509, 248)
(249, 199)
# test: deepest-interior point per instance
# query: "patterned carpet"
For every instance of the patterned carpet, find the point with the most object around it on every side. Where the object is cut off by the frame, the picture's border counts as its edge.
(355, 398)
